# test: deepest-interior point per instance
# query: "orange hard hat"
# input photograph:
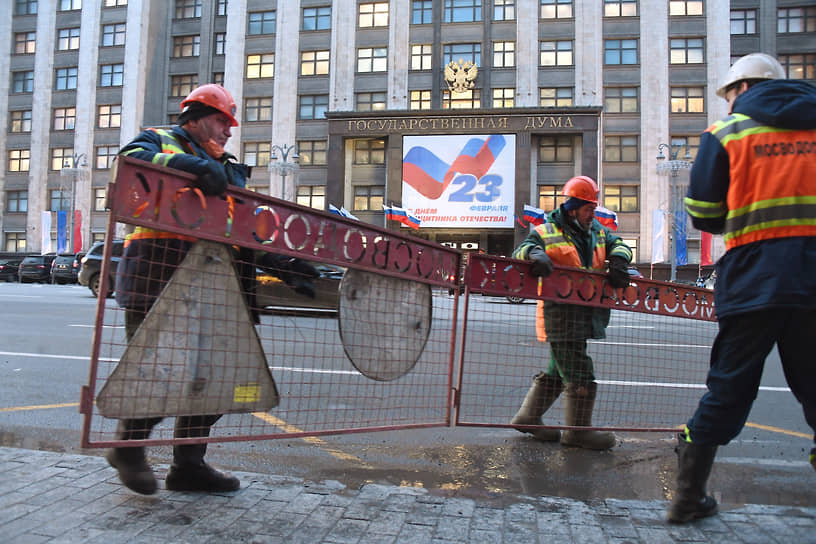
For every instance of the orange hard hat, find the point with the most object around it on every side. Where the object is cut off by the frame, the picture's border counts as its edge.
(214, 96)
(583, 187)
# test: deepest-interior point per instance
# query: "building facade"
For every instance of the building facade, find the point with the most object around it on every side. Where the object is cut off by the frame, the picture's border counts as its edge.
(573, 87)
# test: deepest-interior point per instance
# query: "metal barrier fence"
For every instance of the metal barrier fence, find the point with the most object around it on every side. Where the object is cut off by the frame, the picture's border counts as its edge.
(389, 351)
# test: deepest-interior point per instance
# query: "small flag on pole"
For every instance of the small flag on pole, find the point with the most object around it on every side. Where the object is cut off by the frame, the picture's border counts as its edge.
(342, 212)
(536, 216)
(395, 213)
(606, 217)
(705, 249)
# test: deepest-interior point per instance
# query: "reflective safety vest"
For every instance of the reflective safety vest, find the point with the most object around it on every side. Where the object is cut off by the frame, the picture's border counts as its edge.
(561, 251)
(772, 190)
(169, 147)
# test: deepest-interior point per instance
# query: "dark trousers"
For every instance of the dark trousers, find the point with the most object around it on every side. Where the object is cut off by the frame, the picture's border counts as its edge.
(737, 360)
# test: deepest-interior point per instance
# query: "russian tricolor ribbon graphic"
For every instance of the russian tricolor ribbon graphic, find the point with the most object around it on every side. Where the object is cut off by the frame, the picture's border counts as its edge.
(430, 175)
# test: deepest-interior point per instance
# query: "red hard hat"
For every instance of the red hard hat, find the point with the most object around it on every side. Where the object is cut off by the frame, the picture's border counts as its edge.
(582, 187)
(214, 96)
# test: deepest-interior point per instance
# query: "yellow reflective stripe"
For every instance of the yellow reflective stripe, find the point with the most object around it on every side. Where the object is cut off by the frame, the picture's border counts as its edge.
(810, 222)
(750, 132)
(773, 203)
(704, 209)
(162, 158)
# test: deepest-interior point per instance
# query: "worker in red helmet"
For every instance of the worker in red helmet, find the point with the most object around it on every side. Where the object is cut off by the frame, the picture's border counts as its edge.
(571, 236)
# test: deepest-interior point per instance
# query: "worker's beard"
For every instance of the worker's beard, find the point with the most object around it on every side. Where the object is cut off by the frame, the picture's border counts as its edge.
(578, 225)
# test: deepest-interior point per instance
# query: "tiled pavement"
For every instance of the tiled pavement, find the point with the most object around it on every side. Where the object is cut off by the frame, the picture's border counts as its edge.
(55, 497)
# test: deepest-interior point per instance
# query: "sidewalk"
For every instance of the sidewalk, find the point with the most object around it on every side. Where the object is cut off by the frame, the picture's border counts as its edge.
(54, 497)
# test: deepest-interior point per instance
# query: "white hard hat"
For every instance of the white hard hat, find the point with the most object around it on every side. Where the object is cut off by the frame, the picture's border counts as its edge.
(753, 66)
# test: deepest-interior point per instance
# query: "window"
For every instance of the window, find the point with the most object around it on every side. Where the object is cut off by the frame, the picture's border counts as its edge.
(218, 77)
(113, 34)
(262, 22)
(743, 21)
(115, 3)
(316, 18)
(257, 109)
(67, 39)
(24, 43)
(368, 198)
(504, 97)
(314, 63)
(186, 46)
(555, 53)
(188, 9)
(312, 153)
(369, 151)
(620, 51)
(65, 79)
(504, 10)
(621, 198)
(372, 59)
(17, 201)
(22, 82)
(552, 97)
(19, 160)
(15, 241)
(260, 66)
(796, 20)
(20, 121)
(313, 196)
(688, 143)
(621, 148)
(620, 8)
(257, 153)
(109, 116)
(69, 5)
(462, 11)
(421, 12)
(313, 106)
(111, 75)
(550, 197)
(421, 57)
(467, 100)
(555, 149)
(686, 51)
(465, 51)
(220, 43)
(60, 156)
(59, 200)
(687, 100)
(685, 7)
(370, 101)
(799, 66)
(621, 100)
(25, 7)
(64, 118)
(420, 100)
(221, 8)
(556, 9)
(373, 14)
(504, 54)
(100, 198)
(104, 156)
(183, 84)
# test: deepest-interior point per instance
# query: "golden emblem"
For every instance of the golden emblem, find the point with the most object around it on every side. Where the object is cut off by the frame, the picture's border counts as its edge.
(460, 75)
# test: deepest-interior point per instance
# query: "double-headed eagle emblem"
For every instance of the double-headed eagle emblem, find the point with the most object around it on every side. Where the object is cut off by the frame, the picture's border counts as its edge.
(460, 75)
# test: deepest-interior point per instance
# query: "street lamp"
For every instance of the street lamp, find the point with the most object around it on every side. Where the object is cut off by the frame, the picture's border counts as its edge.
(670, 168)
(73, 168)
(284, 167)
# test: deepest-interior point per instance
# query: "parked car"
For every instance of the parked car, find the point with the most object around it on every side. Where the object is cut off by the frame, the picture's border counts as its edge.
(9, 268)
(274, 296)
(65, 268)
(89, 272)
(35, 268)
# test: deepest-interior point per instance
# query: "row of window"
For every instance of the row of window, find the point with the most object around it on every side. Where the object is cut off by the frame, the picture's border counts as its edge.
(59, 200)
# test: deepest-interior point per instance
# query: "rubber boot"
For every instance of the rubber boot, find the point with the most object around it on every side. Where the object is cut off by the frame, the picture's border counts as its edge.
(189, 472)
(579, 401)
(540, 397)
(130, 463)
(694, 466)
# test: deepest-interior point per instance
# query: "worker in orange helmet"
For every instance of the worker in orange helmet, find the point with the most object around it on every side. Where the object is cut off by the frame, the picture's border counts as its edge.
(571, 236)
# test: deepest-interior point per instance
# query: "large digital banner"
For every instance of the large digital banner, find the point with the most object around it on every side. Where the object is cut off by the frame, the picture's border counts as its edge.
(461, 181)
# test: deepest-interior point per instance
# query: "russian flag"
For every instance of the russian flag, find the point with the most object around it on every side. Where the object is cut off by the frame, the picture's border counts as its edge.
(395, 213)
(607, 218)
(536, 216)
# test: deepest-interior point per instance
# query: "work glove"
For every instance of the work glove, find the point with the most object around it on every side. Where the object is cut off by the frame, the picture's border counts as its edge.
(212, 178)
(541, 265)
(618, 273)
(295, 273)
